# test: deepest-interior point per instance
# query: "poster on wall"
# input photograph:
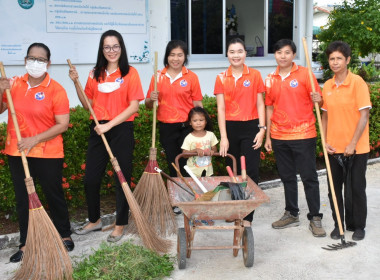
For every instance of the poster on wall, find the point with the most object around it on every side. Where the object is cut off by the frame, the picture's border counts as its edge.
(72, 28)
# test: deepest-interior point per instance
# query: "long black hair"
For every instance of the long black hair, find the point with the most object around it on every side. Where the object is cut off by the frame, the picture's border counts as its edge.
(101, 62)
(39, 45)
(201, 111)
(173, 45)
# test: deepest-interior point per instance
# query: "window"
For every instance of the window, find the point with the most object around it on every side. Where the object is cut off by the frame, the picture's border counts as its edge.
(202, 24)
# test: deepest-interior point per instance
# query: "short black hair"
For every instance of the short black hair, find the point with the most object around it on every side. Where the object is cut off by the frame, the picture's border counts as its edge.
(173, 45)
(283, 43)
(339, 46)
(39, 45)
(101, 62)
(235, 41)
(202, 111)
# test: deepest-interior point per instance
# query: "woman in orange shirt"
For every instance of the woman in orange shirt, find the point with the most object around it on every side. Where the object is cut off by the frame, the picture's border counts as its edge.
(178, 91)
(345, 122)
(114, 90)
(241, 111)
(42, 109)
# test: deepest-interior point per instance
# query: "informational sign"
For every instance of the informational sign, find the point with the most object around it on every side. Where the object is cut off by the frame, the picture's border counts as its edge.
(72, 28)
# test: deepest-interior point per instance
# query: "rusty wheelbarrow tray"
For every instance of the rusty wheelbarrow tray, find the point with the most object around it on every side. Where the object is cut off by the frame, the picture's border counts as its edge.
(215, 210)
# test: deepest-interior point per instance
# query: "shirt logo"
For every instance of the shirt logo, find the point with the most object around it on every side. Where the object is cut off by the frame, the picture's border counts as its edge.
(183, 83)
(26, 4)
(246, 83)
(294, 83)
(39, 96)
(119, 80)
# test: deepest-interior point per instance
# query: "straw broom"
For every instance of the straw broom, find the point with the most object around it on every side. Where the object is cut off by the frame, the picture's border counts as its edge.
(45, 256)
(150, 191)
(148, 236)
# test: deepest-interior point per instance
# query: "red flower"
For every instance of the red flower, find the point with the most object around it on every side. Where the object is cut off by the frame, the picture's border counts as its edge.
(110, 173)
(63, 179)
(133, 185)
(4, 198)
(262, 155)
(320, 154)
(64, 165)
(73, 177)
(83, 166)
(2, 162)
(377, 154)
(70, 197)
(109, 185)
(73, 110)
(65, 185)
(3, 152)
(70, 125)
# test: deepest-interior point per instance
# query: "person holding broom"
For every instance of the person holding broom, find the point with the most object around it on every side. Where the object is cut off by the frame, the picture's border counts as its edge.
(345, 123)
(292, 135)
(114, 90)
(178, 91)
(241, 111)
(42, 109)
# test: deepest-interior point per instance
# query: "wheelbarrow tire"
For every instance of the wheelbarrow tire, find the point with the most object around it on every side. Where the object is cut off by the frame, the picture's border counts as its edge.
(248, 247)
(181, 248)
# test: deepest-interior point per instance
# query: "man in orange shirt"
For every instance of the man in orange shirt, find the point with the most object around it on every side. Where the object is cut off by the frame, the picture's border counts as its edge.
(345, 123)
(292, 135)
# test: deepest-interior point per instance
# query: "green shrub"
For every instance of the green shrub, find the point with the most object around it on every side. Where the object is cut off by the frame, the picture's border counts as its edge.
(75, 144)
(125, 261)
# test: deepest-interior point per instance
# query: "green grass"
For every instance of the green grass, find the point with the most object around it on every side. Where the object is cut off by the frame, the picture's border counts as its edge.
(125, 261)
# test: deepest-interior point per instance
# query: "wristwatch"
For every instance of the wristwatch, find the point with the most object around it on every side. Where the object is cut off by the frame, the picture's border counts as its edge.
(262, 127)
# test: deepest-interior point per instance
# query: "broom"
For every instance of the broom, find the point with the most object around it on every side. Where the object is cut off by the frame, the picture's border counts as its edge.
(150, 191)
(344, 244)
(148, 236)
(45, 256)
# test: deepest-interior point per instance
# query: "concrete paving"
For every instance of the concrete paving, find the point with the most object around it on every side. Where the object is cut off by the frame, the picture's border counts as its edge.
(291, 253)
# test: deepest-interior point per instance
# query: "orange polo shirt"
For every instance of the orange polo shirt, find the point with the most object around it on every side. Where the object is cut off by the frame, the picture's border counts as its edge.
(293, 116)
(108, 105)
(240, 97)
(343, 104)
(36, 108)
(175, 100)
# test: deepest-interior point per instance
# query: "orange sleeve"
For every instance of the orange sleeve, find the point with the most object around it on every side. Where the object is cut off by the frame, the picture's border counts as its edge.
(89, 89)
(362, 96)
(151, 87)
(219, 87)
(60, 102)
(135, 91)
(268, 91)
(196, 93)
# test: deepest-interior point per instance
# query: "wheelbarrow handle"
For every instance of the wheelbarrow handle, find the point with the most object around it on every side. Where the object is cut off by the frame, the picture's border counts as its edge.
(187, 155)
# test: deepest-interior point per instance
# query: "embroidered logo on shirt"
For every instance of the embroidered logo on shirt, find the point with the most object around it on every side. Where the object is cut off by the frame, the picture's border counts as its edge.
(294, 83)
(119, 80)
(183, 83)
(247, 83)
(39, 96)
(26, 4)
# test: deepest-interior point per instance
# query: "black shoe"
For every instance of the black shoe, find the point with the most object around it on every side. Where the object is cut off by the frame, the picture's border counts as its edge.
(335, 234)
(176, 210)
(359, 234)
(69, 244)
(16, 257)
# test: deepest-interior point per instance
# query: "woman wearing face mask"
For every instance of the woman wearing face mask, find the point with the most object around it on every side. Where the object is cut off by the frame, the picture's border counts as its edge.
(114, 90)
(241, 111)
(42, 110)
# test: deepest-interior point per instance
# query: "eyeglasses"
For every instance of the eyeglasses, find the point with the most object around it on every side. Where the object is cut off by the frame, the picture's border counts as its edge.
(114, 48)
(38, 59)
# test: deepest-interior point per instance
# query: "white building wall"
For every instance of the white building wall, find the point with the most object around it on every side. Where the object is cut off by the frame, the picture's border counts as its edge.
(159, 23)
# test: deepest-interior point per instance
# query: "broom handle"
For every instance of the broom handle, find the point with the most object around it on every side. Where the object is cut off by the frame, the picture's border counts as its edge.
(15, 123)
(76, 82)
(155, 102)
(329, 175)
(183, 180)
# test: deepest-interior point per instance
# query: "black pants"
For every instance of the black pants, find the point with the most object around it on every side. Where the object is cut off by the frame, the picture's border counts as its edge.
(293, 155)
(48, 171)
(359, 197)
(121, 141)
(240, 137)
(172, 136)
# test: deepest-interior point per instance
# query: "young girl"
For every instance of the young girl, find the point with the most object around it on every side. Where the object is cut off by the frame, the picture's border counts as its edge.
(202, 141)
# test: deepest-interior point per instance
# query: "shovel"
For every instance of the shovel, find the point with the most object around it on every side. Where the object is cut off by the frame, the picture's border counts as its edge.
(344, 243)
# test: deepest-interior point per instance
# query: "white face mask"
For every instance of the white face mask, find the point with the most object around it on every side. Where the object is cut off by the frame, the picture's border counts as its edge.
(35, 69)
(108, 87)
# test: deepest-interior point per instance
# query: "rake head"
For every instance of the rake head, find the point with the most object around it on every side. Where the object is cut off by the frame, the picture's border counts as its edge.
(344, 244)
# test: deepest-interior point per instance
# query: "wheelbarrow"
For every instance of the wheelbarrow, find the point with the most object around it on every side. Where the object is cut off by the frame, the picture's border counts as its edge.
(234, 210)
